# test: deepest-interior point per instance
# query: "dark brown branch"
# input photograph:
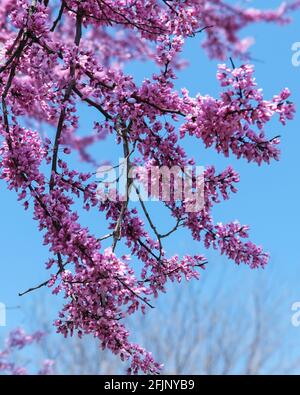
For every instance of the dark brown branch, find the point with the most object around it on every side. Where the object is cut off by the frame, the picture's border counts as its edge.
(60, 14)
(127, 152)
(92, 103)
(66, 98)
(45, 283)
(34, 288)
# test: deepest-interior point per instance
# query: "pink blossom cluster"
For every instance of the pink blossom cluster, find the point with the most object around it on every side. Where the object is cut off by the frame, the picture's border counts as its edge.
(57, 56)
(16, 341)
(236, 122)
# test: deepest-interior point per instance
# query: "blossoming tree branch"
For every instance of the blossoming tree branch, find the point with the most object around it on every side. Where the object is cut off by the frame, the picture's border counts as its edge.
(17, 340)
(60, 55)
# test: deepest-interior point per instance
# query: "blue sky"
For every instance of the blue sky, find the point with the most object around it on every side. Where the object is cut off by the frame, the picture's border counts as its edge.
(267, 200)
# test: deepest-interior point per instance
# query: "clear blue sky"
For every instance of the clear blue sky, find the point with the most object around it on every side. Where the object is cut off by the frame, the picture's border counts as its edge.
(268, 197)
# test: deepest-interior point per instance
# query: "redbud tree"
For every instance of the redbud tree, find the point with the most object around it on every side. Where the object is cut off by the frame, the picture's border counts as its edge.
(60, 55)
(16, 341)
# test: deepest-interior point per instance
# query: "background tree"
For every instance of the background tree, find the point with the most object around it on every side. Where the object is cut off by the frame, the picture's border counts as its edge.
(216, 334)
